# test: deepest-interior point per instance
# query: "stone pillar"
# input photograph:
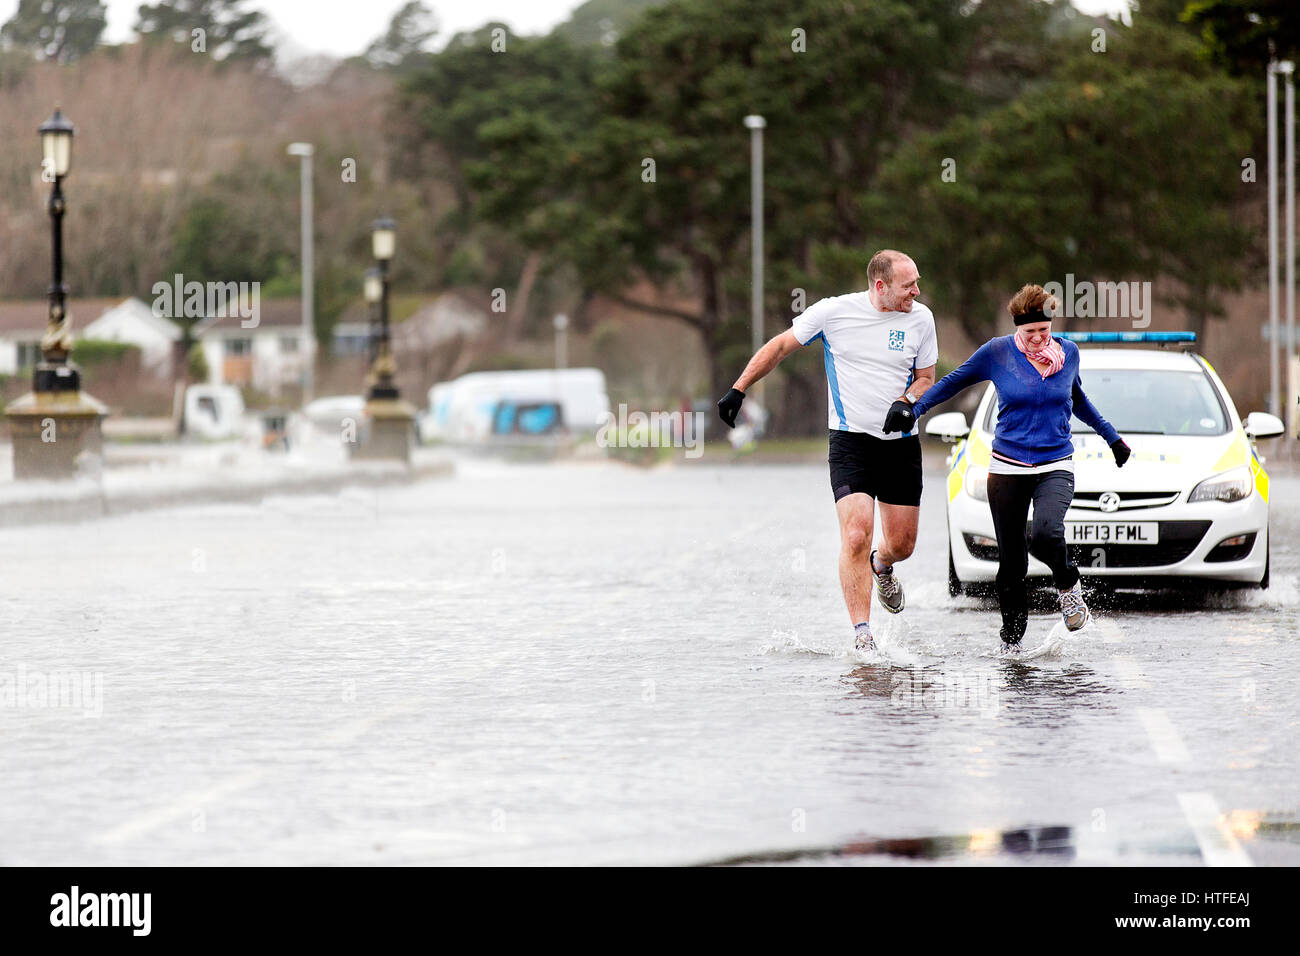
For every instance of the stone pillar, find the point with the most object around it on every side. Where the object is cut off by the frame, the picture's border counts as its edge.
(57, 436)
(387, 431)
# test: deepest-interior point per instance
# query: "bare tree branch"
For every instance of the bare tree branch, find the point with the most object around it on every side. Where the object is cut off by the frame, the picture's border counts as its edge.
(691, 318)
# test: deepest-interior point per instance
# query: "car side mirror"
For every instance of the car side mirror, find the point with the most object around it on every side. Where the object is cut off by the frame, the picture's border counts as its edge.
(950, 426)
(1263, 425)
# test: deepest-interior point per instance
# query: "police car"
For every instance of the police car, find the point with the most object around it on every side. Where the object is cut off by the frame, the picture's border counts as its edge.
(1189, 506)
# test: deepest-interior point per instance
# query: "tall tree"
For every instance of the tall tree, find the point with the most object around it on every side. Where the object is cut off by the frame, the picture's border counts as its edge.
(409, 31)
(60, 30)
(634, 173)
(226, 30)
(602, 22)
(491, 118)
(1245, 34)
(656, 189)
(1127, 165)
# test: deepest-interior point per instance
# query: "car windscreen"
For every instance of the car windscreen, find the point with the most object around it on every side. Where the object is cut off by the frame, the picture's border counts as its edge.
(1146, 401)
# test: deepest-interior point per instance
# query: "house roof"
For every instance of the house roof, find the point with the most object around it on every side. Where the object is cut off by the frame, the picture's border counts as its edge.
(26, 319)
(281, 315)
(140, 313)
(437, 318)
(445, 318)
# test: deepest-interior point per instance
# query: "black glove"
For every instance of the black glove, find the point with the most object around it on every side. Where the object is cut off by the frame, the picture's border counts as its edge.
(1121, 452)
(729, 406)
(900, 417)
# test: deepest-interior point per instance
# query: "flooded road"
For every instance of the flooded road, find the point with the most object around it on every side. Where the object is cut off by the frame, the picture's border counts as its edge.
(589, 663)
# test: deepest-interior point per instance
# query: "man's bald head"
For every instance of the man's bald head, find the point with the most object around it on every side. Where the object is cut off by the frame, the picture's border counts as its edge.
(882, 264)
(892, 280)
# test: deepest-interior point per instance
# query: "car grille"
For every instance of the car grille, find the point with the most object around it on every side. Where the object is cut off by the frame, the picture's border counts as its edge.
(1134, 499)
(1177, 540)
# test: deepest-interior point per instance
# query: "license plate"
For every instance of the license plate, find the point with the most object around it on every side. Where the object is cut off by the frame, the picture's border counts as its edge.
(1109, 532)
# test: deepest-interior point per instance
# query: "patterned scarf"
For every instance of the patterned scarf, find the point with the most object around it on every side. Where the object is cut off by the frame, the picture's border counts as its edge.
(1051, 354)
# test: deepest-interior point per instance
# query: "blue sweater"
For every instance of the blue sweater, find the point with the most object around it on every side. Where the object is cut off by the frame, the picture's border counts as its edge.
(1033, 412)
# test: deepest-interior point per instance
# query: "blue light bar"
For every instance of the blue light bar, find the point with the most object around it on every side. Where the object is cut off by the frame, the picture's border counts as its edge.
(1128, 336)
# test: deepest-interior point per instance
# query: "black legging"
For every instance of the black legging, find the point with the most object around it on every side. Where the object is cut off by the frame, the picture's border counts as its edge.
(1009, 497)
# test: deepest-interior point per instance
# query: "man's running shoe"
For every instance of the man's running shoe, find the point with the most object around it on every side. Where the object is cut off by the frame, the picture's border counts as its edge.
(1010, 649)
(888, 587)
(1073, 610)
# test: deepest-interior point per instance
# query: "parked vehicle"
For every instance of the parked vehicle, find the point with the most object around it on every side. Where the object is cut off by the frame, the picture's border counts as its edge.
(333, 413)
(214, 412)
(541, 407)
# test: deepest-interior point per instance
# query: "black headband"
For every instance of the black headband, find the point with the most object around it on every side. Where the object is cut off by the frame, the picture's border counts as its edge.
(1043, 313)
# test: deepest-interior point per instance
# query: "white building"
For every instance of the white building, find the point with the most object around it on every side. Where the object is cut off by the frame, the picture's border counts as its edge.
(22, 323)
(268, 354)
(134, 323)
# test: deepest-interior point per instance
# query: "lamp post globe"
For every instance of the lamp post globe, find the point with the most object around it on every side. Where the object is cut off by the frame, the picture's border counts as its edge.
(383, 238)
(56, 144)
(373, 285)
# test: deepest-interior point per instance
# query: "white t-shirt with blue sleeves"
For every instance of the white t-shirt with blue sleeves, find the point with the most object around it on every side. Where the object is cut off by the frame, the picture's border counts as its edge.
(871, 356)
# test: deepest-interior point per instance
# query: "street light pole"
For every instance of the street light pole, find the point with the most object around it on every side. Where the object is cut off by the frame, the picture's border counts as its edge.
(1274, 404)
(383, 376)
(56, 428)
(1287, 68)
(374, 289)
(385, 342)
(390, 422)
(561, 341)
(755, 124)
(305, 151)
(53, 373)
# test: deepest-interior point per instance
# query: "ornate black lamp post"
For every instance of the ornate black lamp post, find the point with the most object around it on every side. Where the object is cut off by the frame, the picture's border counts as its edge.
(56, 427)
(383, 241)
(53, 372)
(389, 421)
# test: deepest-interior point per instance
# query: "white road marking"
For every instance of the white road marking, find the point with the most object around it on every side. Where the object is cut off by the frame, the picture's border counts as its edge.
(1218, 846)
(1109, 632)
(190, 802)
(1130, 672)
(350, 732)
(1165, 739)
(197, 800)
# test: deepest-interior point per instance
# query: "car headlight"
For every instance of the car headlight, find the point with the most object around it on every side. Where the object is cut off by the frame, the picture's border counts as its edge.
(977, 482)
(1229, 486)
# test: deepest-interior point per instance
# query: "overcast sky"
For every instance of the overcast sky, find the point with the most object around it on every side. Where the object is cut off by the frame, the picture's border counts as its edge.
(346, 27)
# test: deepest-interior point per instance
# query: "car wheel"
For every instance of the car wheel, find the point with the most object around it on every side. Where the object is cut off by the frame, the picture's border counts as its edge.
(1268, 560)
(954, 583)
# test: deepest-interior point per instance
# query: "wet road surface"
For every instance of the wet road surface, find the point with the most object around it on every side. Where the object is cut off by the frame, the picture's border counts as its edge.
(590, 663)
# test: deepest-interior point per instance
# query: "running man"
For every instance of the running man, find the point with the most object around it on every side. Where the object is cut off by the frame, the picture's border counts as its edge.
(880, 352)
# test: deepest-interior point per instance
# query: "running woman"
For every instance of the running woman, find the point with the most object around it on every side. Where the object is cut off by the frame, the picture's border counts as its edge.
(1037, 378)
(880, 350)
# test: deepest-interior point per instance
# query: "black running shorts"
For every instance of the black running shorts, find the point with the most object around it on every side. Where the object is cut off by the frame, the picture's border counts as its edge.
(888, 470)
